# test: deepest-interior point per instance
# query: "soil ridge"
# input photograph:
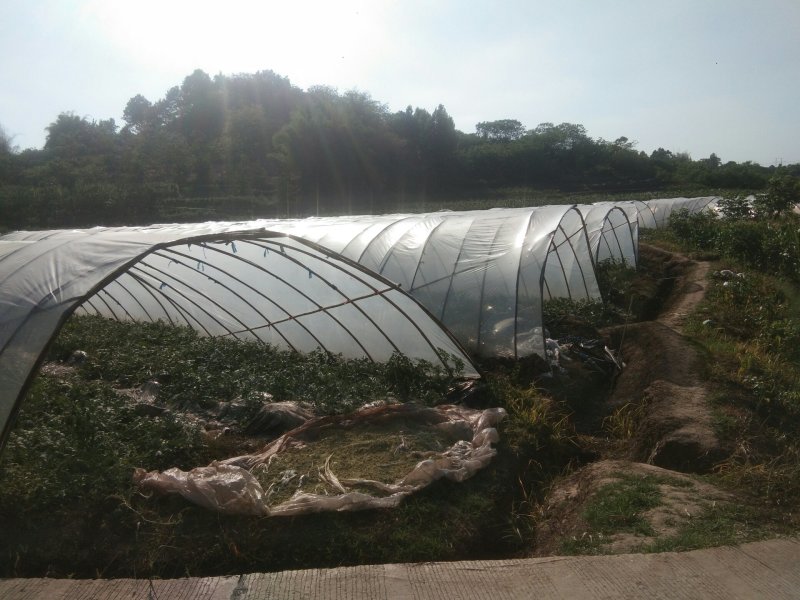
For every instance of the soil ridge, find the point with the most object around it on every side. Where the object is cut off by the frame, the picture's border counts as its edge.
(664, 387)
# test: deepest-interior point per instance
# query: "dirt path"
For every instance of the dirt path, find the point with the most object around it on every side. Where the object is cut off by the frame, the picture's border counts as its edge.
(677, 431)
(663, 392)
(687, 297)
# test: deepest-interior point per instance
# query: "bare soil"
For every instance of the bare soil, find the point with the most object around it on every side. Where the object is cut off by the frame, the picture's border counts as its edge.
(664, 382)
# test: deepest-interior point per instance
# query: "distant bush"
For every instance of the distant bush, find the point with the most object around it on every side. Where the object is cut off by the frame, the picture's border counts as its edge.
(736, 208)
(783, 192)
(697, 231)
(771, 245)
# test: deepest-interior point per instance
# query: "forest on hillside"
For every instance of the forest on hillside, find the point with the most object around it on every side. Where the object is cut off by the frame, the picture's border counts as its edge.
(254, 145)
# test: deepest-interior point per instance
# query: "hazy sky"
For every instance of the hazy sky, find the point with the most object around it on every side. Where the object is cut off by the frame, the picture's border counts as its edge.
(696, 76)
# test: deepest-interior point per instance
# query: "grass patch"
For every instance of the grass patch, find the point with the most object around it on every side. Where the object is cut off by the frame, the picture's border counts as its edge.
(623, 423)
(617, 507)
(720, 524)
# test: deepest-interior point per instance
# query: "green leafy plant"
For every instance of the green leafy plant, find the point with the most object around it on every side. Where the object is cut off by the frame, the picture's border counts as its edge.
(697, 231)
(199, 371)
(736, 208)
(783, 192)
(68, 507)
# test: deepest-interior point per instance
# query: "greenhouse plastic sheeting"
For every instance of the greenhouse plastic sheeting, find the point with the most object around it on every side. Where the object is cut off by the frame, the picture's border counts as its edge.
(483, 273)
(613, 231)
(662, 208)
(229, 486)
(220, 279)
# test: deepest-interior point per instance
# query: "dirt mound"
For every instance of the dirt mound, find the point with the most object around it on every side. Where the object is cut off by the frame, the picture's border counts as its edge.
(662, 391)
(569, 516)
(665, 379)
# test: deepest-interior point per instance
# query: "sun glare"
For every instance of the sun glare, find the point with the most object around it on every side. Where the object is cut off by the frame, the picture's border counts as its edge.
(314, 43)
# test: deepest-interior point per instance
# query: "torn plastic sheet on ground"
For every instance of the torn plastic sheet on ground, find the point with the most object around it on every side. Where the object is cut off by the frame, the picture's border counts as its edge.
(230, 486)
(592, 353)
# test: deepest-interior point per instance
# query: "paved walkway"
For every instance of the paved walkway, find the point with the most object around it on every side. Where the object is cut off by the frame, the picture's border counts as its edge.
(769, 569)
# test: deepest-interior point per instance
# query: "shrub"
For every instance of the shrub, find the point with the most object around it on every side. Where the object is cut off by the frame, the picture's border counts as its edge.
(783, 191)
(736, 208)
(698, 231)
(769, 245)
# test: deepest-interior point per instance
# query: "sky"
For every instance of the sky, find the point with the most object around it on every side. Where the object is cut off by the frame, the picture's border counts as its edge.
(695, 76)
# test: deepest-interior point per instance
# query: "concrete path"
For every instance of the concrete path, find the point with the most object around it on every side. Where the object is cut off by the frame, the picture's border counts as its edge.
(769, 569)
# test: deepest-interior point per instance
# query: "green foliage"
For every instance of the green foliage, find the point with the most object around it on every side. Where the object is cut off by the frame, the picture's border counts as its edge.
(615, 279)
(67, 505)
(76, 443)
(504, 130)
(617, 507)
(747, 305)
(717, 524)
(783, 192)
(201, 371)
(697, 231)
(750, 325)
(769, 245)
(317, 152)
(558, 313)
(735, 208)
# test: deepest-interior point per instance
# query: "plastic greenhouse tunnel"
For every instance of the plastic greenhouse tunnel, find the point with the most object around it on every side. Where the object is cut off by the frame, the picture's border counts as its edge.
(441, 287)
(245, 284)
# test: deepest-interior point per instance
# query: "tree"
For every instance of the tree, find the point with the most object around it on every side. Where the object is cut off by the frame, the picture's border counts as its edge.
(712, 162)
(504, 130)
(6, 140)
(139, 114)
(440, 141)
(337, 147)
(623, 143)
(201, 108)
(783, 192)
(168, 109)
(70, 135)
(7, 162)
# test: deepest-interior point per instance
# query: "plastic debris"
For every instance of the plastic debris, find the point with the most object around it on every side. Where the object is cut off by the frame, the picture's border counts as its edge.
(230, 486)
(592, 353)
(226, 488)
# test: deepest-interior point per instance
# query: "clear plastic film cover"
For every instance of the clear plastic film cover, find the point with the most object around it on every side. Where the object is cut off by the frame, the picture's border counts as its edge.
(220, 279)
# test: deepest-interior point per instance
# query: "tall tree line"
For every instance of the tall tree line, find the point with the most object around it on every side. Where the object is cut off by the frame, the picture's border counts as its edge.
(255, 145)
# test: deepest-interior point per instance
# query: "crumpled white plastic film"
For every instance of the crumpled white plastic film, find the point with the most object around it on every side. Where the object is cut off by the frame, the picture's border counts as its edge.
(230, 487)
